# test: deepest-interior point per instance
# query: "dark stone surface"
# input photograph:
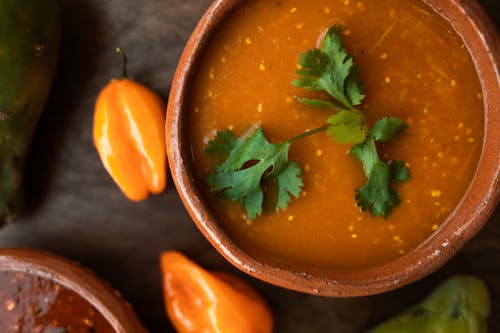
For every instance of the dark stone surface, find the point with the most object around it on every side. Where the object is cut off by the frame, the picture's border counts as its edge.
(76, 211)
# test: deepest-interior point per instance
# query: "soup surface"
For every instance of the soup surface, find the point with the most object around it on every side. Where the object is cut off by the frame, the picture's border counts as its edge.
(414, 67)
(30, 304)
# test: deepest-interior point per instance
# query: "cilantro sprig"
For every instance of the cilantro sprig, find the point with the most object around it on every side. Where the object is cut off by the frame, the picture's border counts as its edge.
(251, 162)
(243, 184)
(376, 195)
(331, 69)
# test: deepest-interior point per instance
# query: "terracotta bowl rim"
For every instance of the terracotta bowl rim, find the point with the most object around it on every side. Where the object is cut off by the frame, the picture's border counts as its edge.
(482, 40)
(109, 302)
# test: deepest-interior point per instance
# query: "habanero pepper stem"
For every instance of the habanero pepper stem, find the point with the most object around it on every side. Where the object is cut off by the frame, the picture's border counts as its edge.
(129, 135)
(124, 63)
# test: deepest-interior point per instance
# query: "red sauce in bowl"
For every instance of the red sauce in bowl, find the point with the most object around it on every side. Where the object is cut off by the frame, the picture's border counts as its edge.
(29, 303)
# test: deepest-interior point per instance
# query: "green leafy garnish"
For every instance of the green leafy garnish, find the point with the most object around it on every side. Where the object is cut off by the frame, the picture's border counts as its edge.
(331, 69)
(376, 195)
(252, 161)
(249, 162)
(387, 128)
(347, 127)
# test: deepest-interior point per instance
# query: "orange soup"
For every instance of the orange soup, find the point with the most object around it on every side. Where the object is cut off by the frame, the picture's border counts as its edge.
(414, 67)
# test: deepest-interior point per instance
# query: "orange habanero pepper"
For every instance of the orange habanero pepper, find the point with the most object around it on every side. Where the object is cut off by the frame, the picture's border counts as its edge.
(198, 301)
(129, 135)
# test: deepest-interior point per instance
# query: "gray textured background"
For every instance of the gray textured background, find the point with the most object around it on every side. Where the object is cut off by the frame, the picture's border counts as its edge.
(76, 211)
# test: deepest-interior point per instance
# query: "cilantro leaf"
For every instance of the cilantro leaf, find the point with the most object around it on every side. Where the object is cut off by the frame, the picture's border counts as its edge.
(347, 127)
(399, 171)
(331, 69)
(354, 89)
(367, 153)
(223, 143)
(290, 182)
(376, 195)
(387, 128)
(312, 67)
(251, 161)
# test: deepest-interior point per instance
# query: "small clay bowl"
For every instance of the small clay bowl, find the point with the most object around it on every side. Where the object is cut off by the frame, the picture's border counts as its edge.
(482, 40)
(107, 301)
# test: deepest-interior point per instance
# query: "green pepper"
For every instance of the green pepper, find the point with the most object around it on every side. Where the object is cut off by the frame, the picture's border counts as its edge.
(459, 305)
(29, 48)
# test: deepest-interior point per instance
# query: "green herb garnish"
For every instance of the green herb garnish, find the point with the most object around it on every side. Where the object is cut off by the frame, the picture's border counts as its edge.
(252, 160)
(331, 69)
(376, 195)
(248, 163)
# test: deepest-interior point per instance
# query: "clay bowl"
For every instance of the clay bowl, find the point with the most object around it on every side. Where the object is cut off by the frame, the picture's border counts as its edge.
(481, 38)
(82, 281)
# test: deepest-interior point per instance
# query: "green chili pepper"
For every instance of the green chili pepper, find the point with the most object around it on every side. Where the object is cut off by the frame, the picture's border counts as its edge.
(459, 305)
(29, 48)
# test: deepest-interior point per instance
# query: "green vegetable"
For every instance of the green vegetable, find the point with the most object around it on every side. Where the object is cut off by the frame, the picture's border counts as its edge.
(252, 160)
(248, 163)
(331, 69)
(29, 47)
(459, 305)
(376, 195)
(268, 161)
